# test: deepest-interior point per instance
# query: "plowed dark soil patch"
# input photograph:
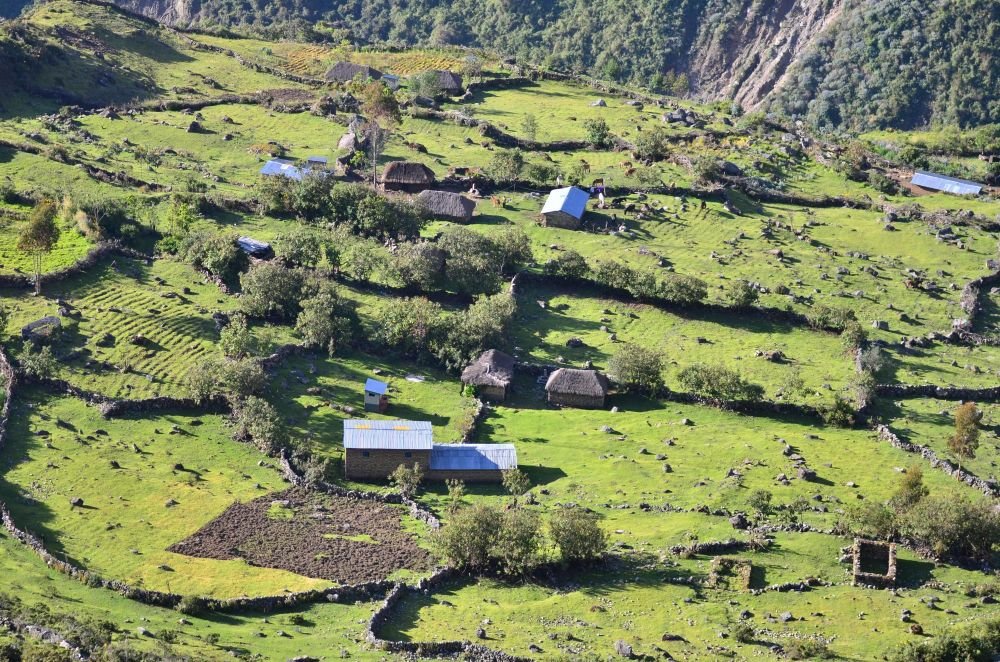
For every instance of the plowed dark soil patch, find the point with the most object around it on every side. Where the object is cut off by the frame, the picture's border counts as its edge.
(316, 535)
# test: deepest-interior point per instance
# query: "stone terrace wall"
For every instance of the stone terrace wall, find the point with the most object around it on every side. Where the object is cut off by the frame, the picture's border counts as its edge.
(907, 391)
(87, 262)
(989, 488)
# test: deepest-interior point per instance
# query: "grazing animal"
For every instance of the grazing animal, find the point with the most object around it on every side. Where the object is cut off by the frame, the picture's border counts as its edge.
(630, 172)
(625, 165)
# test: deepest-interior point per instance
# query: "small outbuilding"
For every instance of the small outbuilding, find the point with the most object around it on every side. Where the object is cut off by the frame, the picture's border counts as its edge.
(376, 395)
(565, 207)
(447, 206)
(391, 81)
(407, 176)
(490, 375)
(255, 248)
(281, 168)
(586, 389)
(449, 82)
(344, 72)
(934, 182)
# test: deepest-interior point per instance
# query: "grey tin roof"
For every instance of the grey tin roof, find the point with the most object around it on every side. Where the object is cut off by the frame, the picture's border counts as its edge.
(388, 435)
(473, 457)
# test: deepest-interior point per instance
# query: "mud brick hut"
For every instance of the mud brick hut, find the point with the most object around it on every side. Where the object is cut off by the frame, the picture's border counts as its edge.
(565, 207)
(376, 395)
(490, 375)
(585, 389)
(344, 72)
(407, 176)
(374, 449)
(447, 206)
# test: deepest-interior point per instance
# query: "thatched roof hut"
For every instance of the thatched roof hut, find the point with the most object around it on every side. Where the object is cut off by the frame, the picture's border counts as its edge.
(577, 388)
(491, 374)
(407, 176)
(449, 82)
(447, 206)
(342, 72)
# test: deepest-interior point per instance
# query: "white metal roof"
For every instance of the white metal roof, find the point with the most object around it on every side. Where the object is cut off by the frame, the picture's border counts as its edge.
(388, 435)
(570, 200)
(473, 457)
(945, 183)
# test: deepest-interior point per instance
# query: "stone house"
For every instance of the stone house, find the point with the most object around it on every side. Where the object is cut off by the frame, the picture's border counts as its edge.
(565, 207)
(491, 375)
(374, 449)
(569, 387)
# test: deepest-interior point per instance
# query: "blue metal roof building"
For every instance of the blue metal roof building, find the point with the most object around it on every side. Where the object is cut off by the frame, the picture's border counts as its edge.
(375, 386)
(282, 168)
(473, 457)
(935, 182)
(388, 435)
(565, 207)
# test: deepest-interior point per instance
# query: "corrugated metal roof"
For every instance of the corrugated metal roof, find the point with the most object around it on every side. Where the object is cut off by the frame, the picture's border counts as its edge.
(945, 183)
(282, 168)
(570, 200)
(473, 457)
(317, 159)
(253, 246)
(388, 435)
(375, 386)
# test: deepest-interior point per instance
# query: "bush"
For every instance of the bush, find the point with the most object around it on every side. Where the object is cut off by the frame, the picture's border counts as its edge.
(241, 377)
(637, 369)
(300, 247)
(518, 545)
(472, 331)
(325, 320)
(806, 649)
(954, 527)
(419, 265)
(469, 539)
(598, 132)
(192, 605)
(652, 144)
(516, 482)
(38, 363)
(408, 326)
(255, 419)
(407, 479)
(719, 383)
(742, 294)
(473, 263)
(577, 534)
(567, 264)
(743, 632)
(827, 317)
(965, 441)
(683, 290)
(216, 253)
(203, 380)
(839, 413)
(236, 340)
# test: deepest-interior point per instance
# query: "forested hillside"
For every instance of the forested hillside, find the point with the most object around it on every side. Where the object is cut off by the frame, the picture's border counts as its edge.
(853, 63)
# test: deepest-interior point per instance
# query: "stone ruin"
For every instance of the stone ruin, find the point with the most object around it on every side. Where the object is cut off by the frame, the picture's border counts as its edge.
(874, 563)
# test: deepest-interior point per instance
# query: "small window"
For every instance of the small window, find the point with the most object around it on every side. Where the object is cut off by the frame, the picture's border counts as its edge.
(365, 454)
(407, 454)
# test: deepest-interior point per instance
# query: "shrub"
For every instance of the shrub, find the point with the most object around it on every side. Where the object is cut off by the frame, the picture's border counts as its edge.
(482, 325)
(236, 340)
(979, 642)
(257, 420)
(192, 605)
(409, 326)
(419, 265)
(325, 320)
(743, 632)
(807, 649)
(827, 317)
(469, 539)
(719, 383)
(38, 363)
(407, 479)
(683, 290)
(300, 247)
(760, 502)
(839, 413)
(954, 527)
(216, 253)
(519, 542)
(241, 377)
(637, 368)
(742, 294)
(577, 534)
(598, 132)
(965, 441)
(567, 264)
(505, 166)
(516, 482)
(652, 144)
(203, 380)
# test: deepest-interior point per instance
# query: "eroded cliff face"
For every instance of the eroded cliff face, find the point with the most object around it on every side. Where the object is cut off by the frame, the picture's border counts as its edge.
(752, 57)
(175, 12)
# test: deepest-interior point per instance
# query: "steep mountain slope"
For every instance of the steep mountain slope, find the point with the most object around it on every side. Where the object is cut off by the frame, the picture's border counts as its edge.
(855, 63)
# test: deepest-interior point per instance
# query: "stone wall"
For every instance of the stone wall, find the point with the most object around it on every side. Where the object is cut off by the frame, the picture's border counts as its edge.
(987, 487)
(94, 255)
(906, 391)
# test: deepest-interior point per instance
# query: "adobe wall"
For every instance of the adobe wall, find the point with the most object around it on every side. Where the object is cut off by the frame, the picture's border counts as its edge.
(380, 463)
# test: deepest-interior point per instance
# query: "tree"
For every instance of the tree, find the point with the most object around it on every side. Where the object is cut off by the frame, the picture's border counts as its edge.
(325, 319)
(38, 363)
(653, 144)
(203, 380)
(598, 132)
(681, 85)
(742, 294)
(271, 290)
(215, 252)
(472, 67)
(407, 479)
(469, 539)
(516, 482)
(241, 377)
(39, 236)
(4, 320)
(419, 265)
(236, 340)
(425, 84)
(965, 441)
(529, 127)
(760, 502)
(577, 534)
(505, 166)
(300, 247)
(637, 368)
(382, 115)
(408, 326)
(514, 249)
(954, 526)
(473, 263)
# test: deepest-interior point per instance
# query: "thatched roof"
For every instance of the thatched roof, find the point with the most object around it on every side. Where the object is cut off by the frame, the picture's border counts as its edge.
(449, 206)
(492, 368)
(448, 81)
(343, 72)
(577, 382)
(407, 172)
